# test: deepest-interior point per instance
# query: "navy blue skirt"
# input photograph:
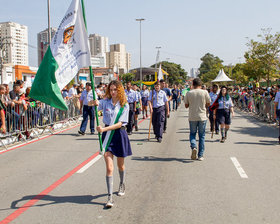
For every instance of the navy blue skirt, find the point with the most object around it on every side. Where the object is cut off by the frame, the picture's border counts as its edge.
(223, 116)
(120, 144)
(144, 101)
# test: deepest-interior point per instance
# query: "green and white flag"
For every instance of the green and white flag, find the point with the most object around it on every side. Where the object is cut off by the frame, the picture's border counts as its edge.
(68, 52)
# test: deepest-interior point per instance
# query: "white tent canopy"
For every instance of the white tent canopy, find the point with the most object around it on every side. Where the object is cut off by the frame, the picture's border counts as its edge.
(222, 77)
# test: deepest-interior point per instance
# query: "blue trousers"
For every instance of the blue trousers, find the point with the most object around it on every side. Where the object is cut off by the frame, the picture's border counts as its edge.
(87, 112)
(130, 123)
(158, 119)
(200, 127)
(175, 104)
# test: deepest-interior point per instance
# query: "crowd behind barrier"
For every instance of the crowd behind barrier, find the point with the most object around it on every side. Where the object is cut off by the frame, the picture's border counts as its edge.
(23, 118)
(259, 102)
(36, 119)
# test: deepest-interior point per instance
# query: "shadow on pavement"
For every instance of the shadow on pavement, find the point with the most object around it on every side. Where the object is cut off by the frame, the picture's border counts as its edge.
(183, 132)
(51, 200)
(139, 140)
(262, 131)
(70, 134)
(158, 159)
(206, 140)
(87, 139)
(258, 143)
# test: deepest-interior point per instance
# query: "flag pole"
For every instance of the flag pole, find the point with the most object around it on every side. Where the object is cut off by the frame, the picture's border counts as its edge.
(92, 85)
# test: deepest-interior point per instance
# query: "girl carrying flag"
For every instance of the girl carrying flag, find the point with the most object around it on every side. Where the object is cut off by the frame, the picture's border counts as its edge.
(114, 136)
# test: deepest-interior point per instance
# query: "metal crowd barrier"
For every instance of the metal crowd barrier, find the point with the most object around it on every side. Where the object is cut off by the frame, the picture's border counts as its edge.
(38, 119)
(262, 107)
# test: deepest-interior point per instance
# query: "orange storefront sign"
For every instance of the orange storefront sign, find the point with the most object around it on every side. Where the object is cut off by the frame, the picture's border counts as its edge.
(21, 69)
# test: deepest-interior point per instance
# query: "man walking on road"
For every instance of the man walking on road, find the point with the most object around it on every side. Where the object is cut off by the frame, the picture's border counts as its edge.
(197, 100)
(88, 111)
(169, 97)
(131, 99)
(214, 125)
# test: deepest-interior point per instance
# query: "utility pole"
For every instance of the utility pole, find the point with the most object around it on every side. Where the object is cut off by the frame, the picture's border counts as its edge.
(141, 75)
(49, 24)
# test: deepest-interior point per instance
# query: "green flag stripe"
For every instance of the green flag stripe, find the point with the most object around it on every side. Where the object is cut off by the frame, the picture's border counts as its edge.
(45, 87)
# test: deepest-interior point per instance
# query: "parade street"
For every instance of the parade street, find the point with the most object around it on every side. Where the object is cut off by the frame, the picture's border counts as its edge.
(61, 179)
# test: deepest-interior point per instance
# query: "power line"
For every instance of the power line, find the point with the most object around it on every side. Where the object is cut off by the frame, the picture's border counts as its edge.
(182, 56)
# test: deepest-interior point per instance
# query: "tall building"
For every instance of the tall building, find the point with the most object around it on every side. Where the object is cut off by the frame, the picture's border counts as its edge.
(118, 57)
(43, 43)
(16, 52)
(194, 72)
(98, 47)
(98, 44)
(98, 61)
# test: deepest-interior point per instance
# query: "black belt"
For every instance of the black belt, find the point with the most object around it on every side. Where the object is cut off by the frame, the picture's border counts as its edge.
(122, 127)
(158, 107)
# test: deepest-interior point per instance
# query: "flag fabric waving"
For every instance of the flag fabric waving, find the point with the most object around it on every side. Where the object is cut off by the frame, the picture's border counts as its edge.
(67, 53)
(160, 75)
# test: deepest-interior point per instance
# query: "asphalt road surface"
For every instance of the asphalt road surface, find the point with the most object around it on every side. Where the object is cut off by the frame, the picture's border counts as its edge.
(238, 182)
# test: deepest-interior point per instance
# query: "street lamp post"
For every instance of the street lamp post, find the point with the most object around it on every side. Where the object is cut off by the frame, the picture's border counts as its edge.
(141, 76)
(49, 23)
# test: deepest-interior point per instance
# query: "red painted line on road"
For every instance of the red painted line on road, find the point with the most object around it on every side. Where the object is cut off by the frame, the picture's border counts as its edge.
(19, 146)
(41, 195)
(143, 120)
(38, 197)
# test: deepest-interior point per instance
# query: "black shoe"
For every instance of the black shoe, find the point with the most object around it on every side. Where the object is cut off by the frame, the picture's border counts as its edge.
(92, 133)
(217, 132)
(129, 133)
(81, 133)
(136, 128)
(159, 140)
(223, 140)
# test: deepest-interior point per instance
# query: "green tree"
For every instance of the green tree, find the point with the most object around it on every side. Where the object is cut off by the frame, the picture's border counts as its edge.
(263, 56)
(238, 74)
(127, 77)
(209, 61)
(210, 67)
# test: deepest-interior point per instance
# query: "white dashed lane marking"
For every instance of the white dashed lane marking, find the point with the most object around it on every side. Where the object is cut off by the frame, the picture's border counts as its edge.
(238, 167)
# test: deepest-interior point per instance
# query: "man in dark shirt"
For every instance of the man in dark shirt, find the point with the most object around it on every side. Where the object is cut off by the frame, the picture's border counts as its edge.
(169, 97)
(175, 95)
(14, 94)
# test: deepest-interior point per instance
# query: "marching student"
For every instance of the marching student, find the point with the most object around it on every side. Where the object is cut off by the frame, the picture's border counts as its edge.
(88, 111)
(144, 97)
(214, 125)
(116, 111)
(131, 99)
(157, 103)
(222, 113)
(138, 106)
(175, 96)
(169, 97)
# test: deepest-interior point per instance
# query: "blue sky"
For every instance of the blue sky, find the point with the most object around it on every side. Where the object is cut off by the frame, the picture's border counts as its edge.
(185, 29)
